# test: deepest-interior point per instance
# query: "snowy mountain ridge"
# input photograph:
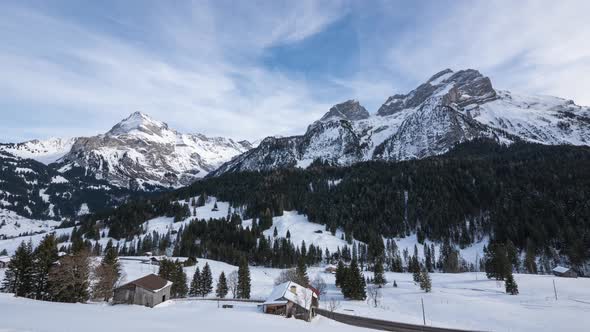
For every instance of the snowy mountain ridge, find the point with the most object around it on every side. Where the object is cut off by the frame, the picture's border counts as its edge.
(138, 153)
(450, 108)
(44, 151)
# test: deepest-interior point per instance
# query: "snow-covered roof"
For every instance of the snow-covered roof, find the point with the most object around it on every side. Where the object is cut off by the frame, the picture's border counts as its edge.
(293, 292)
(5, 259)
(560, 269)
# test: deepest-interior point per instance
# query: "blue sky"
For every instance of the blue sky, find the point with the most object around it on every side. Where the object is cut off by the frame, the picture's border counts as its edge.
(248, 69)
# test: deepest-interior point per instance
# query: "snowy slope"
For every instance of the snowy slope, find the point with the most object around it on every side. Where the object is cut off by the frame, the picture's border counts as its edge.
(13, 225)
(44, 151)
(464, 300)
(450, 108)
(169, 316)
(301, 229)
(141, 151)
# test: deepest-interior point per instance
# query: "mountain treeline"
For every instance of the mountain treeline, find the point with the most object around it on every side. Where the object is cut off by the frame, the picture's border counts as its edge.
(534, 196)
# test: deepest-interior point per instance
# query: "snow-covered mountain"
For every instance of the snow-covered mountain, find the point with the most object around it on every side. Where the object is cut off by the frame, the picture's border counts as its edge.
(451, 107)
(32, 190)
(140, 152)
(44, 151)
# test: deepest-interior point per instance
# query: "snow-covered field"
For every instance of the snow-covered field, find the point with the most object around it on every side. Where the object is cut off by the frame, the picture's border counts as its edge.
(19, 314)
(464, 300)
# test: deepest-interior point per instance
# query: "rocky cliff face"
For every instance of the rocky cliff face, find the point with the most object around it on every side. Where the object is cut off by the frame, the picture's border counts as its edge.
(143, 153)
(451, 107)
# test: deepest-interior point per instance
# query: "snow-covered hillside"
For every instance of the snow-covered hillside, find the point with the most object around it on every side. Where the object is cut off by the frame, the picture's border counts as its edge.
(450, 108)
(13, 225)
(45, 151)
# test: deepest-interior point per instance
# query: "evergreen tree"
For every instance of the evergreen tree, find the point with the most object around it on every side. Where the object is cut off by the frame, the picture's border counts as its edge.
(288, 235)
(19, 275)
(395, 284)
(45, 255)
(172, 270)
(379, 276)
(340, 274)
(354, 283)
(425, 281)
(301, 272)
(206, 281)
(243, 280)
(195, 289)
(530, 258)
(496, 262)
(108, 273)
(511, 286)
(70, 279)
(222, 288)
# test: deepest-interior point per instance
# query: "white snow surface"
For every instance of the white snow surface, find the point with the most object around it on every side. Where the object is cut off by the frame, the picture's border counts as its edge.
(464, 300)
(14, 225)
(301, 229)
(168, 316)
(45, 151)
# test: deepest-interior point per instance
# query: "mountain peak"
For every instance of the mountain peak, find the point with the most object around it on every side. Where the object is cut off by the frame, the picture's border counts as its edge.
(349, 110)
(462, 87)
(138, 121)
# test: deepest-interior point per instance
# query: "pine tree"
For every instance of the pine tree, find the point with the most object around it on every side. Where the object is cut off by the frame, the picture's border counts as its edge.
(69, 280)
(496, 262)
(206, 281)
(244, 280)
(395, 284)
(179, 287)
(340, 274)
(222, 288)
(425, 281)
(195, 289)
(18, 278)
(301, 272)
(108, 273)
(511, 286)
(275, 233)
(45, 255)
(378, 274)
(288, 235)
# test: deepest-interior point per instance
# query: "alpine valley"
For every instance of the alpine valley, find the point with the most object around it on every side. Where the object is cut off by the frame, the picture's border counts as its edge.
(454, 163)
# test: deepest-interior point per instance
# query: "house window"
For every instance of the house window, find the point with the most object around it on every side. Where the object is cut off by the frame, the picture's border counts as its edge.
(294, 289)
(163, 298)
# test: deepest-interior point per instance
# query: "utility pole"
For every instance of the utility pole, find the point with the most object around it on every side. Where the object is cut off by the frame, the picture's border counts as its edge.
(555, 289)
(423, 314)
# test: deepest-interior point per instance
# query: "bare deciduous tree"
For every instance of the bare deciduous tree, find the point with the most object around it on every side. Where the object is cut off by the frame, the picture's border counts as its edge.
(333, 304)
(319, 284)
(287, 275)
(232, 283)
(373, 295)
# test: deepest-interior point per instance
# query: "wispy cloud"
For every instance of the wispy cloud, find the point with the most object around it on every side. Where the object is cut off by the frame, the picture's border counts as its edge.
(531, 46)
(205, 78)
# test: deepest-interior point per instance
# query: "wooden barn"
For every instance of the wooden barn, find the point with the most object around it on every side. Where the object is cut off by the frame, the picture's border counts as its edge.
(148, 291)
(565, 272)
(291, 300)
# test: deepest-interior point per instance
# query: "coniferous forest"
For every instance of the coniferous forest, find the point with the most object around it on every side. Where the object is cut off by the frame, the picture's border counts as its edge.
(533, 196)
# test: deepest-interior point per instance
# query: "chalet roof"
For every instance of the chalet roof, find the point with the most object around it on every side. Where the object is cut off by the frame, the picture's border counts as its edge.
(150, 282)
(301, 295)
(560, 269)
(5, 259)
